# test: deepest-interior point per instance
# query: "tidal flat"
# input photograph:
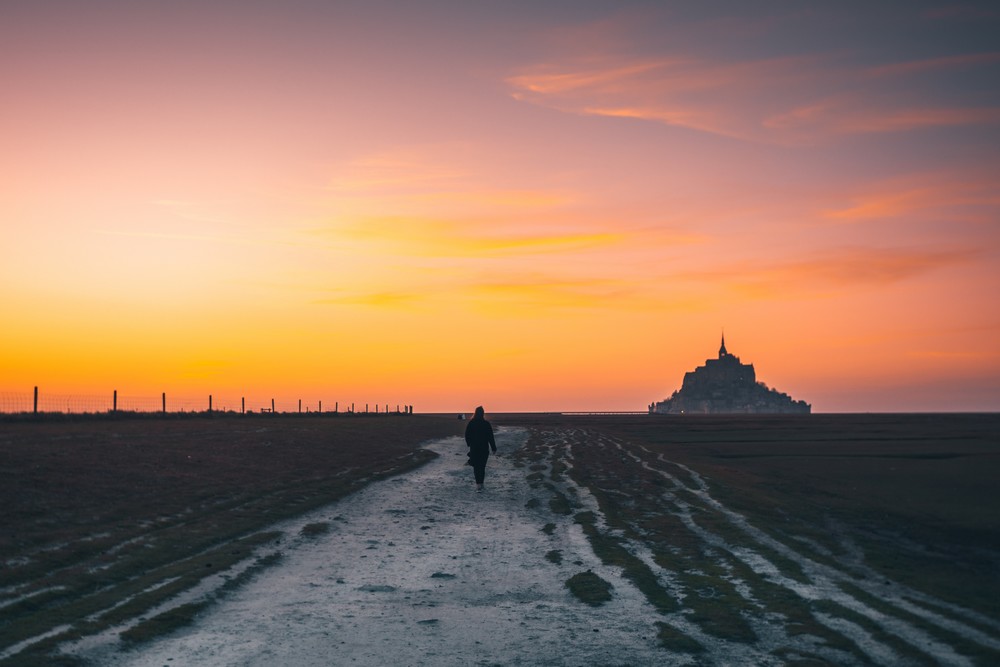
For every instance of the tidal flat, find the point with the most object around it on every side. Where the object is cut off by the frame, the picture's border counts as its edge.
(836, 539)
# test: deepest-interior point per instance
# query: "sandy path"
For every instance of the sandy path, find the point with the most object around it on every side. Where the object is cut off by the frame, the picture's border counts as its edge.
(421, 570)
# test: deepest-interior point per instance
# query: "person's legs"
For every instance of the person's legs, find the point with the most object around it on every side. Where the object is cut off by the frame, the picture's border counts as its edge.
(480, 472)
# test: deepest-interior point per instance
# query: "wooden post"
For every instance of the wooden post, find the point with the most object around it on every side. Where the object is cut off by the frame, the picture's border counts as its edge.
(272, 406)
(163, 398)
(300, 406)
(114, 401)
(366, 408)
(209, 402)
(36, 400)
(243, 405)
(336, 406)
(321, 406)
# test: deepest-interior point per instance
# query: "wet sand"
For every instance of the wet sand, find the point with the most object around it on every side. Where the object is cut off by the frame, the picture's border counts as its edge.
(726, 541)
(420, 570)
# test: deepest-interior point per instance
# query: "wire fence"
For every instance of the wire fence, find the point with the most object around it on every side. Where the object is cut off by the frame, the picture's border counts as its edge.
(43, 402)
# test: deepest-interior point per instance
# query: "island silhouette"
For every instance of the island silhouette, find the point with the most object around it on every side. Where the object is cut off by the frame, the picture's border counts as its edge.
(727, 386)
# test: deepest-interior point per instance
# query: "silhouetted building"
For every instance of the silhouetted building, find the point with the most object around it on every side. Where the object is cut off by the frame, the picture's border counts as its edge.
(727, 386)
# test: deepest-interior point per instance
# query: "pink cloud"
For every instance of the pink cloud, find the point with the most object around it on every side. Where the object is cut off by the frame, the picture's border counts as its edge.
(845, 268)
(934, 64)
(781, 100)
(902, 120)
(920, 194)
(679, 91)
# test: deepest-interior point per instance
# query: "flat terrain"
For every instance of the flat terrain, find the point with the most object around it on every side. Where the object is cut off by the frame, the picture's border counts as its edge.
(841, 539)
(823, 539)
(103, 519)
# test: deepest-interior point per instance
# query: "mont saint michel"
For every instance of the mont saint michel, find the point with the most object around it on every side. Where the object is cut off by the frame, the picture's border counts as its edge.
(727, 386)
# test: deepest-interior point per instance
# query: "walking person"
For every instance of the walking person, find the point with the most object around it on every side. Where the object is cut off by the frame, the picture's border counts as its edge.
(479, 438)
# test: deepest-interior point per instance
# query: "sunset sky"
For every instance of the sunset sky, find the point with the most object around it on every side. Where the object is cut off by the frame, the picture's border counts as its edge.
(525, 205)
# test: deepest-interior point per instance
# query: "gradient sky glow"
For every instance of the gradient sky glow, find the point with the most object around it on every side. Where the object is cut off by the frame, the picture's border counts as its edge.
(533, 206)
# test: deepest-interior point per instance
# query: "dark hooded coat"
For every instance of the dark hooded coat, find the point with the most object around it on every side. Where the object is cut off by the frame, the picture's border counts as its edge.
(479, 438)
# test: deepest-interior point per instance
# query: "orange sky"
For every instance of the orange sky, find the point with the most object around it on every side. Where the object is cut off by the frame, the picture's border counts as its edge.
(552, 207)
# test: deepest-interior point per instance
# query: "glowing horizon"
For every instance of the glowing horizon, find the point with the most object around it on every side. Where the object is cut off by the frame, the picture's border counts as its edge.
(526, 207)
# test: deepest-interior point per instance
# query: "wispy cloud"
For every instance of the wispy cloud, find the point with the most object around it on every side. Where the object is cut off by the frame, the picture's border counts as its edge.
(854, 115)
(971, 198)
(455, 238)
(680, 91)
(778, 100)
(597, 77)
(934, 64)
(513, 293)
(549, 292)
(696, 119)
(377, 299)
(859, 121)
(845, 268)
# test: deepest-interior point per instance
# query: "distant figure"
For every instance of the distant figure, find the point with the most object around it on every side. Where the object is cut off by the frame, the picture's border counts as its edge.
(479, 438)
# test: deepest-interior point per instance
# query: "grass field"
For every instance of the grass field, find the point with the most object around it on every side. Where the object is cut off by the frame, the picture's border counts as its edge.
(844, 532)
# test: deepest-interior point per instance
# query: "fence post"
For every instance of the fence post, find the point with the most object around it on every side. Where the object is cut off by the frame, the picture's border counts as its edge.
(321, 406)
(336, 406)
(300, 405)
(36, 401)
(272, 406)
(243, 405)
(114, 401)
(163, 398)
(209, 402)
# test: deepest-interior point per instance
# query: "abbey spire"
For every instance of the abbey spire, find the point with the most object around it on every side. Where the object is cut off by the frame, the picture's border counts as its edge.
(722, 350)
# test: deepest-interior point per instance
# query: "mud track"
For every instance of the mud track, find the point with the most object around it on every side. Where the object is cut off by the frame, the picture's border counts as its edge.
(421, 570)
